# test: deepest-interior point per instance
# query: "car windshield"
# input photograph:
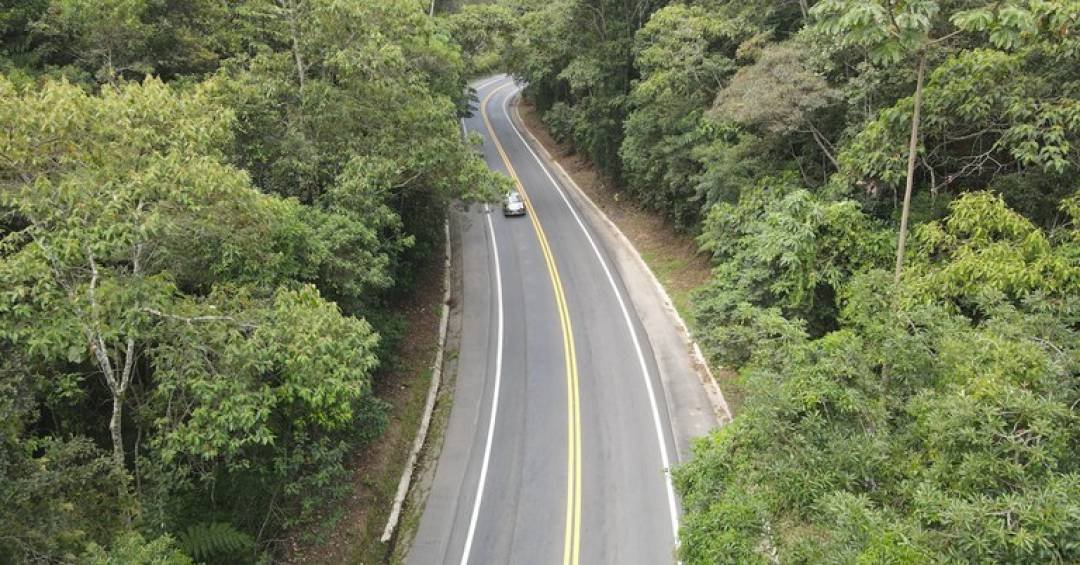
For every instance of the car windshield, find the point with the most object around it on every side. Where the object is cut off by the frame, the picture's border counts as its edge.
(513, 197)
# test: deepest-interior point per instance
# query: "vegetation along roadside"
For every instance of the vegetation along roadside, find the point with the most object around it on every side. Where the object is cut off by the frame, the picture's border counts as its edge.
(352, 534)
(887, 194)
(212, 216)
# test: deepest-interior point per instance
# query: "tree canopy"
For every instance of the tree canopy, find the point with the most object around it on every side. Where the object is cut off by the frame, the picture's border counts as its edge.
(206, 207)
(204, 211)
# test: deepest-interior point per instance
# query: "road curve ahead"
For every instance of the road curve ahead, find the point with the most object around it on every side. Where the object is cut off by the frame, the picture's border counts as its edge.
(560, 437)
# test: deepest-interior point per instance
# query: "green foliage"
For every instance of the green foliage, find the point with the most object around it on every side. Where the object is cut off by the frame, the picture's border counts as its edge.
(97, 42)
(683, 55)
(541, 48)
(940, 431)
(206, 541)
(402, 123)
(1014, 111)
(783, 100)
(889, 31)
(132, 549)
(580, 53)
(318, 362)
(781, 256)
(366, 156)
(484, 32)
(58, 495)
(205, 208)
(990, 249)
(777, 93)
(730, 161)
(109, 37)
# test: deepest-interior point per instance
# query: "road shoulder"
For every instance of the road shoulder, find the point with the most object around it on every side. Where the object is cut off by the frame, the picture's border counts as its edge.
(416, 499)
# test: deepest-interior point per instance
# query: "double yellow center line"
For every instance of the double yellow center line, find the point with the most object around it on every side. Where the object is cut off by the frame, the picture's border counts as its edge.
(572, 545)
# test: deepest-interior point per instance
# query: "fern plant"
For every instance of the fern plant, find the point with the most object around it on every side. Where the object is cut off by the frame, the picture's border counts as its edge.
(206, 541)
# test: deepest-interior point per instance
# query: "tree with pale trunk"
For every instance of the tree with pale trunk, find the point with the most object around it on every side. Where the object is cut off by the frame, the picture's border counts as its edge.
(138, 252)
(899, 32)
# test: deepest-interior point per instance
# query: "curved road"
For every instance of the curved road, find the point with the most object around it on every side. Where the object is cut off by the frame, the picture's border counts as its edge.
(559, 437)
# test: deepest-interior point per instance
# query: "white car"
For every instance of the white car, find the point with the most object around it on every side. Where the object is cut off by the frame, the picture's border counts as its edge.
(513, 204)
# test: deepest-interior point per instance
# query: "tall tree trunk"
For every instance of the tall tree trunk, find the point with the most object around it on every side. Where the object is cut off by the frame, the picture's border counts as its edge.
(117, 381)
(294, 31)
(117, 388)
(116, 432)
(912, 148)
(823, 144)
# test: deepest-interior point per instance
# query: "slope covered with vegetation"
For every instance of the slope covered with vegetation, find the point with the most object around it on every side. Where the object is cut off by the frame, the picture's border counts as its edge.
(913, 406)
(204, 208)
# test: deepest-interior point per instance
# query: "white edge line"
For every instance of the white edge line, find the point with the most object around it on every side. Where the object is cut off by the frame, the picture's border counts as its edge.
(664, 459)
(494, 394)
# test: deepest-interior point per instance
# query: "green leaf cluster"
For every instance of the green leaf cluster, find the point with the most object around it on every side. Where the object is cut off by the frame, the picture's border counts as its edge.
(204, 541)
(132, 549)
(942, 429)
(484, 32)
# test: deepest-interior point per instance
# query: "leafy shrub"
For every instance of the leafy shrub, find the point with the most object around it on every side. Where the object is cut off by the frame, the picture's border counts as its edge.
(214, 542)
(132, 549)
(938, 426)
(781, 255)
(57, 497)
(560, 120)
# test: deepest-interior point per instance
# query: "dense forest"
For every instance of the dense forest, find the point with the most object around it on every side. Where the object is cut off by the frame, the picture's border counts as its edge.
(889, 192)
(205, 208)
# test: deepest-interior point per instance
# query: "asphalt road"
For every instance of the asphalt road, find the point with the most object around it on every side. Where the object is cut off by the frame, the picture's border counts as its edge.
(559, 436)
